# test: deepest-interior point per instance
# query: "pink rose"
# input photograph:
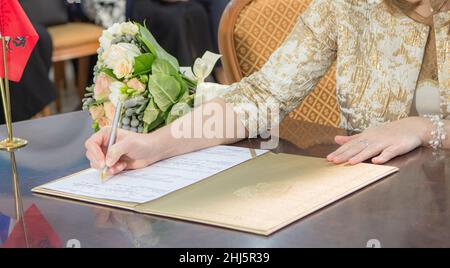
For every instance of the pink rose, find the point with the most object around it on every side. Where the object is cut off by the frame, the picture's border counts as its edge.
(110, 110)
(136, 84)
(101, 89)
(96, 112)
(103, 122)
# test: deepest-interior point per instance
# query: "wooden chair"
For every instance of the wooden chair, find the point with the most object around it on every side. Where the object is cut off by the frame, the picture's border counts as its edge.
(47, 111)
(73, 41)
(251, 30)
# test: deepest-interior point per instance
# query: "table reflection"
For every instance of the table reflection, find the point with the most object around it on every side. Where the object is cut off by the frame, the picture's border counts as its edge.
(140, 231)
(25, 228)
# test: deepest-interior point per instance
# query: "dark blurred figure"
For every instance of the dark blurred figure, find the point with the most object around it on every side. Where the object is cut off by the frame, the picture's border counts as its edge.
(215, 9)
(76, 13)
(182, 28)
(35, 91)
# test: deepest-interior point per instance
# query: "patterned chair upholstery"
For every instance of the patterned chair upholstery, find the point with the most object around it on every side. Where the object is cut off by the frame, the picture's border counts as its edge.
(251, 30)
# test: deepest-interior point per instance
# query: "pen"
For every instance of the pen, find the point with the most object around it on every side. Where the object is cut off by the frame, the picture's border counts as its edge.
(112, 138)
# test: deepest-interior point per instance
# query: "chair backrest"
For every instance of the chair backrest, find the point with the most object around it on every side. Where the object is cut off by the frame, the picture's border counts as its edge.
(251, 30)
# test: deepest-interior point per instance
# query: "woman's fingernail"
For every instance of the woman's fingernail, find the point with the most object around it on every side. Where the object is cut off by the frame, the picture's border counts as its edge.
(119, 168)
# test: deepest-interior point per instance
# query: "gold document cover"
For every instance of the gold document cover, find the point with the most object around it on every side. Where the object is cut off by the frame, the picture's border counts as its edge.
(259, 196)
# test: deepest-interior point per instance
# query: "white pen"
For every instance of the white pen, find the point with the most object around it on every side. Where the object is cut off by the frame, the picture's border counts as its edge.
(112, 138)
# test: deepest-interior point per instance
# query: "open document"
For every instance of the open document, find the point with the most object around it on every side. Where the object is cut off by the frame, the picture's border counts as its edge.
(160, 179)
(225, 186)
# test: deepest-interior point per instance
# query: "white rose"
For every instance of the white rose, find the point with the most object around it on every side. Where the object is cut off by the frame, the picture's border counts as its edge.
(129, 28)
(120, 58)
(115, 29)
(115, 88)
(105, 40)
(104, 55)
(123, 69)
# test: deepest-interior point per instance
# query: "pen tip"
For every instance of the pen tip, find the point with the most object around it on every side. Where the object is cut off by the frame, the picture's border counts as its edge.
(105, 175)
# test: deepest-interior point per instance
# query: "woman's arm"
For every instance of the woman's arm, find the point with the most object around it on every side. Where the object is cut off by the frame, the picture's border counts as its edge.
(212, 124)
(292, 71)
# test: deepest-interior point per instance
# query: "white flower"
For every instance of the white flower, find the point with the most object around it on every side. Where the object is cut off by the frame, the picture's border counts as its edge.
(105, 40)
(123, 69)
(119, 29)
(120, 59)
(115, 88)
(129, 28)
(115, 29)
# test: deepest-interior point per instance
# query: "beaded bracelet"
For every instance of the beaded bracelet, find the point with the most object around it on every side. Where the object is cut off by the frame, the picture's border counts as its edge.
(438, 135)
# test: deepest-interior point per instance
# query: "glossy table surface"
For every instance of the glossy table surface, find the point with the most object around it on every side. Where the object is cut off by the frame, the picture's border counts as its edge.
(408, 209)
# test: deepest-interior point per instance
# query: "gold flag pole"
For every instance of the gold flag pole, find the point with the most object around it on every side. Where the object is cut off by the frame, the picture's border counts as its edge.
(11, 143)
(18, 198)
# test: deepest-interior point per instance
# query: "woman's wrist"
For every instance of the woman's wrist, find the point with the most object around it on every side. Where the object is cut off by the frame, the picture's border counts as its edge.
(438, 134)
(159, 146)
(433, 132)
(426, 129)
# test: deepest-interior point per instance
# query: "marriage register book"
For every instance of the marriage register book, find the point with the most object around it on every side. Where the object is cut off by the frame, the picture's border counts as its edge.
(225, 186)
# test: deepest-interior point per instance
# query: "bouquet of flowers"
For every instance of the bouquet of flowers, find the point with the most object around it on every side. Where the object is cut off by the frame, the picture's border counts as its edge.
(133, 68)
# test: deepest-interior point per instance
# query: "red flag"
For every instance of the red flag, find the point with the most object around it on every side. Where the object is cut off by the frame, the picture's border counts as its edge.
(22, 37)
(33, 231)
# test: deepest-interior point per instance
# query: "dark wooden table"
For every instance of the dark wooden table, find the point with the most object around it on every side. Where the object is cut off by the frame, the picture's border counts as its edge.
(408, 209)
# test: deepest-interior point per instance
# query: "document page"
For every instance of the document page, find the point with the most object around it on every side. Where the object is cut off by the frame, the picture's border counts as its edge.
(162, 178)
(266, 194)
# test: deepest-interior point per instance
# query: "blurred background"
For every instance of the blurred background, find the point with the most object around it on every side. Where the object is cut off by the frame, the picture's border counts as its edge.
(61, 65)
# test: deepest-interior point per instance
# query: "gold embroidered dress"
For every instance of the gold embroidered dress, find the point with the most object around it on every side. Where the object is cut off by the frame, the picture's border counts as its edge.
(379, 56)
(426, 99)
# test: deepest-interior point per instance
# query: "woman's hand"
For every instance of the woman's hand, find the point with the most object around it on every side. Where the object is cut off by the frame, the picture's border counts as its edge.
(382, 143)
(131, 150)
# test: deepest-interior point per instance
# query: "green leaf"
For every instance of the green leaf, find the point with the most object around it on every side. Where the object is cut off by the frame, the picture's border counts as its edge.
(183, 84)
(147, 44)
(165, 90)
(143, 78)
(132, 92)
(159, 122)
(143, 63)
(164, 67)
(184, 106)
(188, 99)
(190, 83)
(161, 66)
(151, 113)
(109, 73)
(96, 127)
(151, 43)
(178, 110)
